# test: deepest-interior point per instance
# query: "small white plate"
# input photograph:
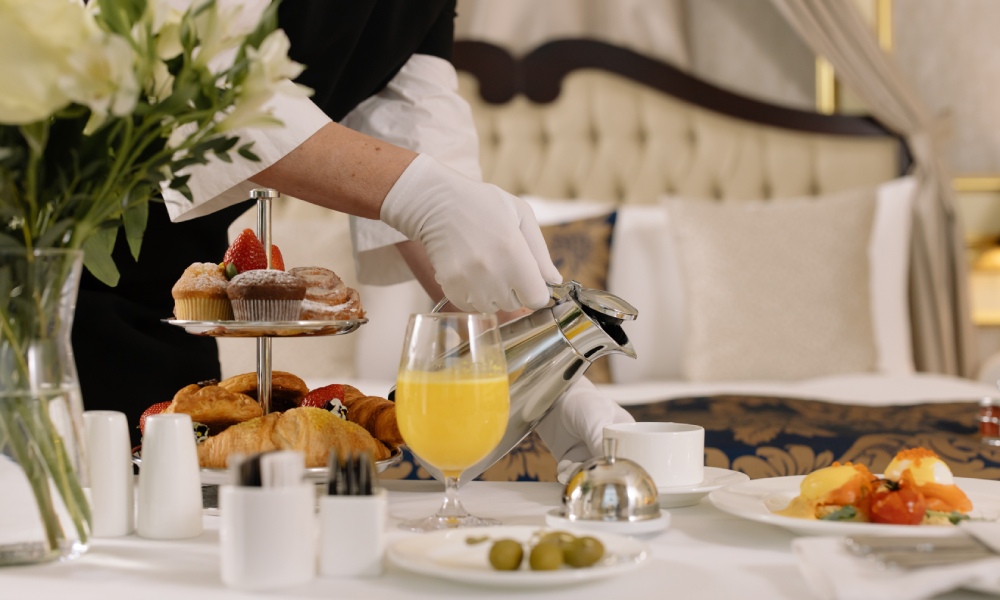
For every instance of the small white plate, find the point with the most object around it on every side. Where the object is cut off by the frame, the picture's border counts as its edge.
(687, 495)
(446, 555)
(557, 518)
(758, 499)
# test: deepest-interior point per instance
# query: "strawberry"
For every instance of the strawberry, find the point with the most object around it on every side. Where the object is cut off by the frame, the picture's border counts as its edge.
(152, 410)
(276, 261)
(319, 397)
(246, 253)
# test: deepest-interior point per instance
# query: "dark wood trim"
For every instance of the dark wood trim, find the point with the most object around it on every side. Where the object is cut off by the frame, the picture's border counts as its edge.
(539, 77)
(499, 73)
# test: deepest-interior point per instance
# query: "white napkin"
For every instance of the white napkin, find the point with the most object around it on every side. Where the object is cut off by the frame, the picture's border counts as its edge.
(987, 532)
(834, 573)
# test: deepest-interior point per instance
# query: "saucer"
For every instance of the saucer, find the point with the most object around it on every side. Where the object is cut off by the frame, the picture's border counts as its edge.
(687, 495)
(556, 518)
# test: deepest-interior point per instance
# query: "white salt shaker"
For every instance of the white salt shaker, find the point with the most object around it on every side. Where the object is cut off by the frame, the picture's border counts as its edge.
(267, 536)
(109, 460)
(169, 480)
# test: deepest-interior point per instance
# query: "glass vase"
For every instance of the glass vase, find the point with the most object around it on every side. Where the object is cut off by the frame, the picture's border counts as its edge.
(44, 514)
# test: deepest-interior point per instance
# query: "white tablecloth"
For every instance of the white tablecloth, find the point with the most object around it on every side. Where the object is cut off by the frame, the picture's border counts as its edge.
(704, 554)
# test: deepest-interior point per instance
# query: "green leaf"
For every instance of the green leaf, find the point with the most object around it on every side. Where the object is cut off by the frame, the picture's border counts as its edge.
(246, 152)
(120, 15)
(844, 513)
(135, 219)
(97, 256)
(954, 516)
(51, 237)
(9, 241)
(267, 24)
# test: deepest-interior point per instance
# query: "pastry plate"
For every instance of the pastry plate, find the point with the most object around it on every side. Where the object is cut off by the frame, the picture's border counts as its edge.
(267, 328)
(687, 495)
(317, 474)
(446, 555)
(757, 500)
(557, 518)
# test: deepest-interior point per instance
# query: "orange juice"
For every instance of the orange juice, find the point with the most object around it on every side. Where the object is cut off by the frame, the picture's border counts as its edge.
(451, 421)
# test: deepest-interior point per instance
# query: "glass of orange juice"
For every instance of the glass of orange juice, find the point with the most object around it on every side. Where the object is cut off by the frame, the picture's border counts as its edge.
(452, 402)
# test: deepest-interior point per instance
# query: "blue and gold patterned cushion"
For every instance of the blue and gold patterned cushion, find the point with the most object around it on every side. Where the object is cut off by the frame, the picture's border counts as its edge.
(581, 250)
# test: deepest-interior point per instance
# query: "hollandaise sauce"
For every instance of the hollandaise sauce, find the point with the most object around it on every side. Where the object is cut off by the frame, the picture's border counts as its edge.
(826, 490)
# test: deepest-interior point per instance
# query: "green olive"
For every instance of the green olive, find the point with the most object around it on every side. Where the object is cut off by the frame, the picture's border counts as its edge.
(506, 555)
(546, 556)
(560, 538)
(583, 552)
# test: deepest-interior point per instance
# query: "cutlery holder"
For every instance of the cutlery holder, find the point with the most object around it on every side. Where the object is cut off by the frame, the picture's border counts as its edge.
(352, 535)
(267, 536)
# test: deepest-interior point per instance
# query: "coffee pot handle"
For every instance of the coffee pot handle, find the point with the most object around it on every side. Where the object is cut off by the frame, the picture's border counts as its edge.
(557, 291)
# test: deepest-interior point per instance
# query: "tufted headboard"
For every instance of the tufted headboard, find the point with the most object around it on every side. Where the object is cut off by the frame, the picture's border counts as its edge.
(568, 121)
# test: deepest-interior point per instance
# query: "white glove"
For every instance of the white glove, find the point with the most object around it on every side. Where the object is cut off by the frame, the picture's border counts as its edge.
(574, 429)
(485, 245)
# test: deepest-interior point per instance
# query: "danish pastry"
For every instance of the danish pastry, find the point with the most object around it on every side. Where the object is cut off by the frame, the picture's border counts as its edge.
(327, 297)
(287, 390)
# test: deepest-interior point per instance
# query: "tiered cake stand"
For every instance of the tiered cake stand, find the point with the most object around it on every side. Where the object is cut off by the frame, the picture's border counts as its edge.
(266, 330)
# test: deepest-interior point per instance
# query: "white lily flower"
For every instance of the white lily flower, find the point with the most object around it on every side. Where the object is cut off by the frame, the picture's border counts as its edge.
(37, 39)
(103, 79)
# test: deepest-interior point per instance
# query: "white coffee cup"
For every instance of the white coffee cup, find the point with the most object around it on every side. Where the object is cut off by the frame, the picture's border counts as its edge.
(672, 453)
(169, 480)
(109, 459)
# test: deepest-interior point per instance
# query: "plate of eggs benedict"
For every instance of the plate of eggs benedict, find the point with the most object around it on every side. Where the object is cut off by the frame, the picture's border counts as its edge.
(916, 495)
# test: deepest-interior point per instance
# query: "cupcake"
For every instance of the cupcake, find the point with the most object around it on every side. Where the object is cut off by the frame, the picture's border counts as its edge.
(200, 294)
(266, 295)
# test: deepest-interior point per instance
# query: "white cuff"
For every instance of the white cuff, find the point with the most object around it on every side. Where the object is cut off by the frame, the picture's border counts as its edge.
(219, 184)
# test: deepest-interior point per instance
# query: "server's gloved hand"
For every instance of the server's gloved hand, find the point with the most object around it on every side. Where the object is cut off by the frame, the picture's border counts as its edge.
(574, 430)
(485, 245)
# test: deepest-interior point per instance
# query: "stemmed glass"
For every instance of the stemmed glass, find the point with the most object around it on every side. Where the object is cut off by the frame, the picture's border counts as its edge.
(452, 402)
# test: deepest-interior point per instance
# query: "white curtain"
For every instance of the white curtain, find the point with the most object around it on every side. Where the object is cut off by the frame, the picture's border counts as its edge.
(652, 27)
(942, 326)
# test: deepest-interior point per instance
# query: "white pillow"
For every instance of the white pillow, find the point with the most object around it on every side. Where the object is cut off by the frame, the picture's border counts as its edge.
(644, 271)
(776, 290)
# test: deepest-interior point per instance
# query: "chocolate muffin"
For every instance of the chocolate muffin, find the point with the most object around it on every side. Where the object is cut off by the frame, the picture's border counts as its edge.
(266, 295)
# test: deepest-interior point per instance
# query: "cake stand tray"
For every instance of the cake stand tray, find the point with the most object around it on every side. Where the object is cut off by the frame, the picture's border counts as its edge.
(258, 329)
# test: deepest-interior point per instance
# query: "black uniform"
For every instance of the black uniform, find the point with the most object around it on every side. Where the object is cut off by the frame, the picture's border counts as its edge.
(127, 358)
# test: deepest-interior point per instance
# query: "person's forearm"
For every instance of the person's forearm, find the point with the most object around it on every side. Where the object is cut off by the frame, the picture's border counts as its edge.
(339, 168)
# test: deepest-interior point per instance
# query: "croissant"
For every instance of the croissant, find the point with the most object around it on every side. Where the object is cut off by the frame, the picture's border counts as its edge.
(312, 431)
(375, 414)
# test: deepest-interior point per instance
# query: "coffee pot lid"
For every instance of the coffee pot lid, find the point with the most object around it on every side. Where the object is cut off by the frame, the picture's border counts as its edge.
(598, 303)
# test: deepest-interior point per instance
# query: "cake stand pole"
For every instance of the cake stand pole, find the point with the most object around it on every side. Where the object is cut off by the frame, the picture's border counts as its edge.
(263, 197)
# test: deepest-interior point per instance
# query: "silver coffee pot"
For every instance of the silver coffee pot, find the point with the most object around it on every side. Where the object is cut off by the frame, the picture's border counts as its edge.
(550, 349)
